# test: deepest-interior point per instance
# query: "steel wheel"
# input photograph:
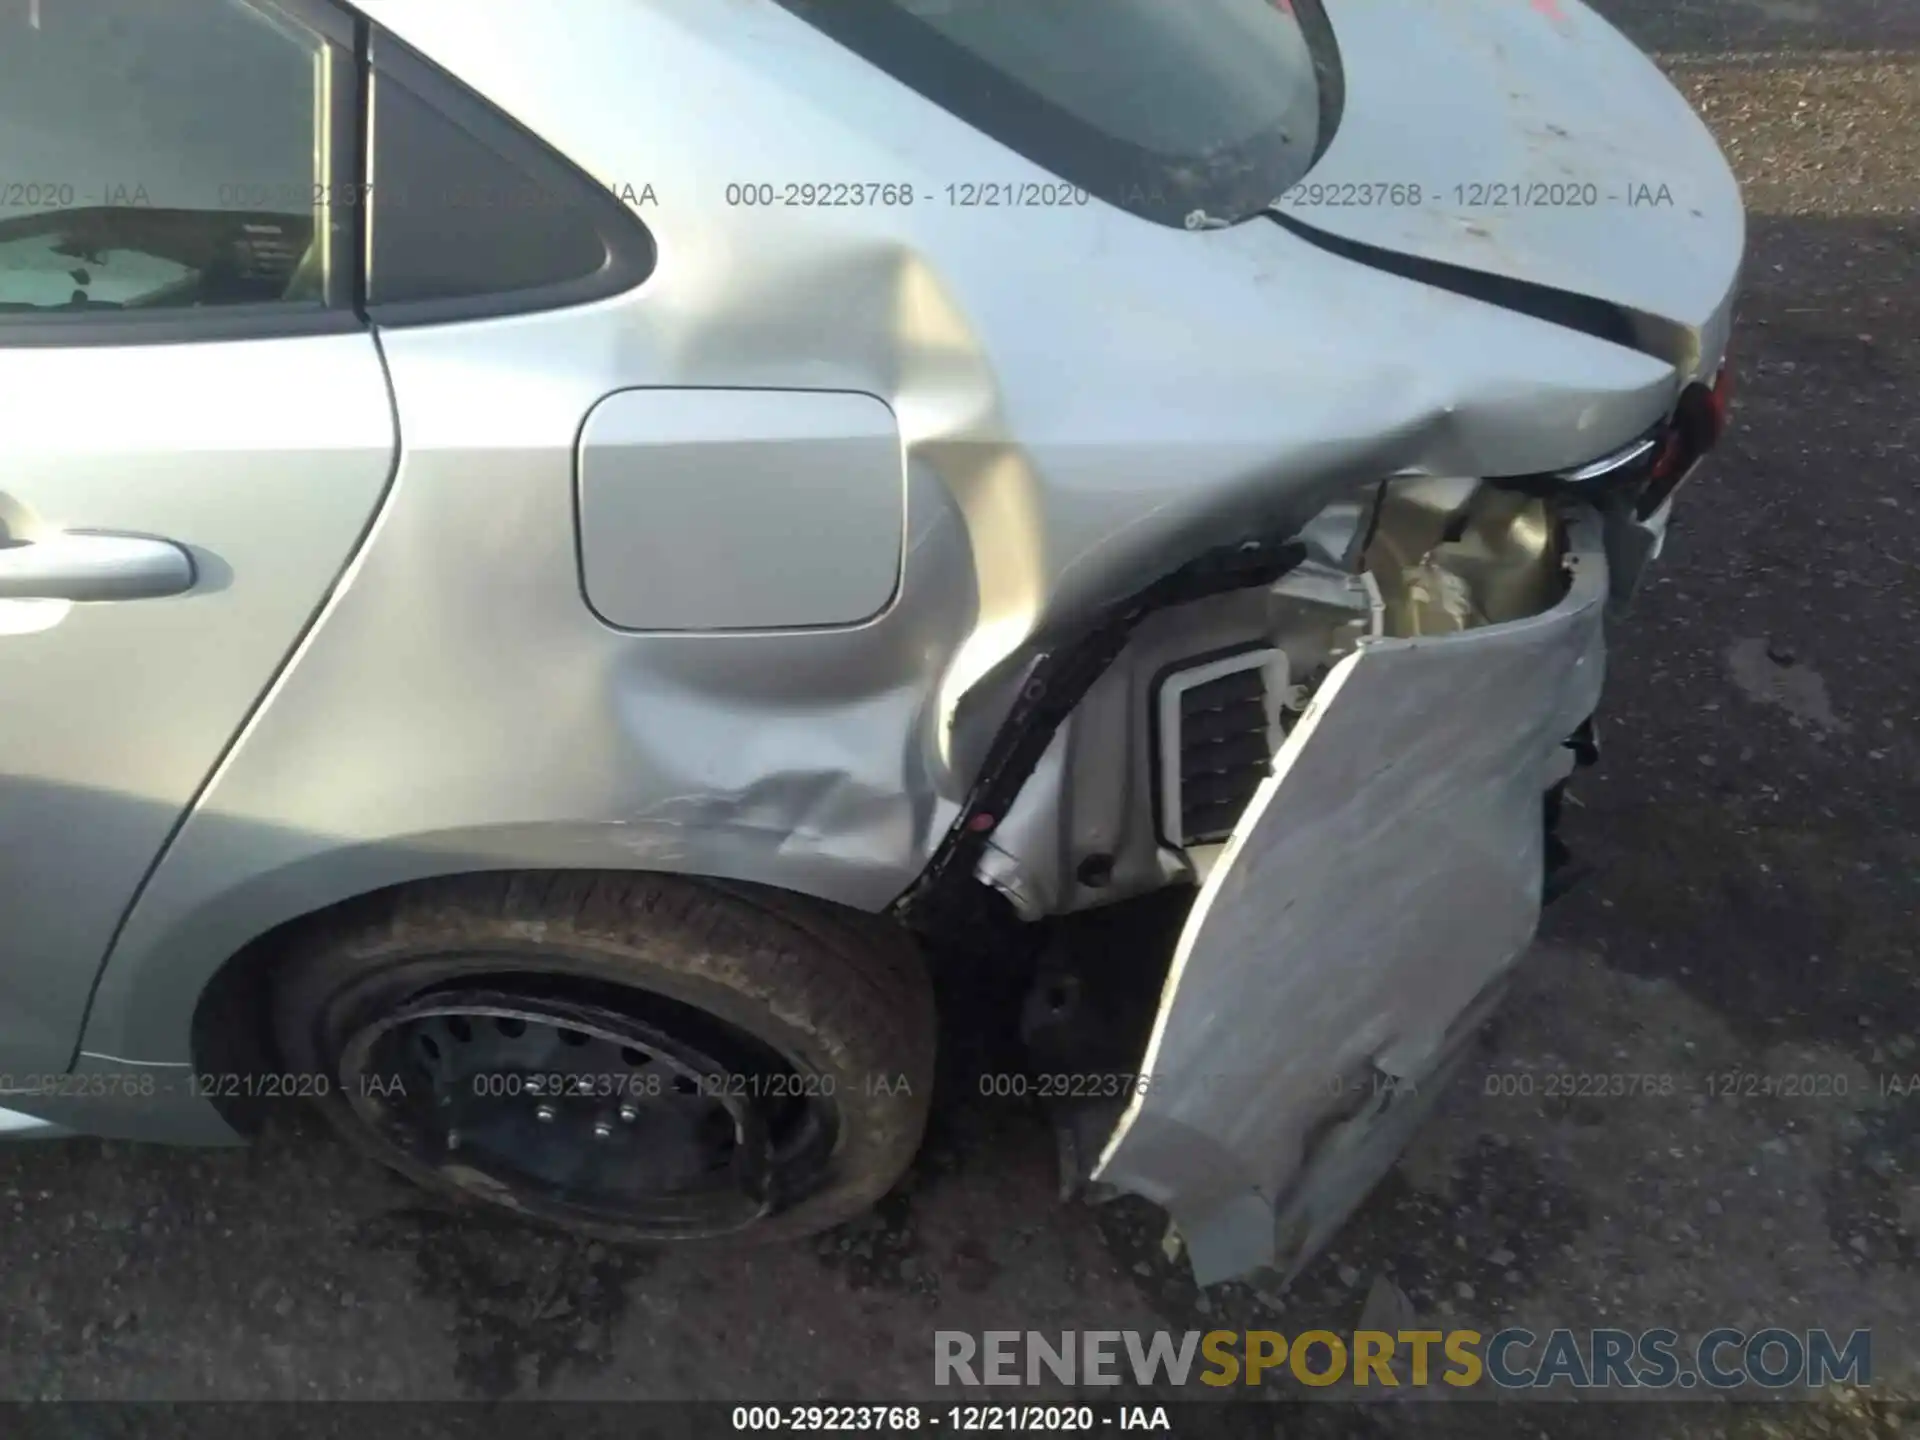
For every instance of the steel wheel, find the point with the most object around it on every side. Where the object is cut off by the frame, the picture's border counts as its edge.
(629, 1056)
(583, 1112)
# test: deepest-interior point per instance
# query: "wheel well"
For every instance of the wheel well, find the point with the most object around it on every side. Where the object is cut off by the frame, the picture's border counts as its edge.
(232, 1031)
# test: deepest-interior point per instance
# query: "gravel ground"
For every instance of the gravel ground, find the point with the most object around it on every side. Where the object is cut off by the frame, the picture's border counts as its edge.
(1755, 826)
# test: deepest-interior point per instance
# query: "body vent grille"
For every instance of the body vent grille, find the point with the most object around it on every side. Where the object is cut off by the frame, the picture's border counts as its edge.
(1218, 729)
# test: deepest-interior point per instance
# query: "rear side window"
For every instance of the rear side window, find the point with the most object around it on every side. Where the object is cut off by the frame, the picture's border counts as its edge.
(472, 215)
(162, 156)
(1162, 107)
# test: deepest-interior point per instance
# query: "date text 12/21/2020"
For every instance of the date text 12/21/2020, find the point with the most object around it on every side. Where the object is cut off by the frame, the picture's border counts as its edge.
(964, 195)
(1346, 194)
(1507, 1083)
(141, 1085)
(1717, 1085)
(1473, 195)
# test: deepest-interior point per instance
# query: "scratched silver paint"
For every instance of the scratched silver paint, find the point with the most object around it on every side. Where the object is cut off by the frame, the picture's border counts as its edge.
(1084, 399)
(1547, 149)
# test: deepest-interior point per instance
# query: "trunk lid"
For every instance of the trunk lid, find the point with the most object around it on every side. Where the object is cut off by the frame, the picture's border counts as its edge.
(1530, 142)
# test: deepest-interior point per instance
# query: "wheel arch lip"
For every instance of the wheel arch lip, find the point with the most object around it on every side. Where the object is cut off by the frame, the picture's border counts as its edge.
(148, 1007)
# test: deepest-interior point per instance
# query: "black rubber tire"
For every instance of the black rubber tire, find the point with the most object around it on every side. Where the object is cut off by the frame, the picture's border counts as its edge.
(842, 993)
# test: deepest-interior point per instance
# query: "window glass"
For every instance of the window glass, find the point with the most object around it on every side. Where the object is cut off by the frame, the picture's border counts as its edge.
(466, 208)
(1163, 107)
(158, 154)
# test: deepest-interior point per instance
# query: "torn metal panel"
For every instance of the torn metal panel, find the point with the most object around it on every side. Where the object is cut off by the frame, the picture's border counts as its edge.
(1084, 830)
(1384, 878)
(1023, 857)
(1085, 401)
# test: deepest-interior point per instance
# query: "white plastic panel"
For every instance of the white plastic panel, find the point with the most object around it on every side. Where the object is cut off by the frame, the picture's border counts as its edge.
(1386, 875)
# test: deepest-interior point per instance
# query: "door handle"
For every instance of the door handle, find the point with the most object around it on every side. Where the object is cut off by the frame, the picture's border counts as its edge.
(88, 565)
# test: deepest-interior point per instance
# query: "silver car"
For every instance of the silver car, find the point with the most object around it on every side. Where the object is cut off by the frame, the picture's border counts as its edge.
(545, 565)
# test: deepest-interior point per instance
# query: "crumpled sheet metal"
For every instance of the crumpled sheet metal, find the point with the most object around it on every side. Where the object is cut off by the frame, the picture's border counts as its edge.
(1385, 876)
(1085, 401)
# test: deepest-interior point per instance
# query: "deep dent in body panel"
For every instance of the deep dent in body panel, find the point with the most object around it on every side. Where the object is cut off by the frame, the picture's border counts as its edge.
(868, 782)
(1084, 400)
(954, 428)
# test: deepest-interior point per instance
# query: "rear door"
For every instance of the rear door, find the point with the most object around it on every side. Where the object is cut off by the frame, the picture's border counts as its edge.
(195, 433)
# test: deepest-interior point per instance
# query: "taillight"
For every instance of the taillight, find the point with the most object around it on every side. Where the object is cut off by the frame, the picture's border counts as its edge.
(1669, 462)
(1698, 423)
(1647, 471)
(1721, 398)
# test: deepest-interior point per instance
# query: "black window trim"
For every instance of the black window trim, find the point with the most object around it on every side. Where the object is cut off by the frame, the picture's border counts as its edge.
(344, 34)
(977, 92)
(630, 249)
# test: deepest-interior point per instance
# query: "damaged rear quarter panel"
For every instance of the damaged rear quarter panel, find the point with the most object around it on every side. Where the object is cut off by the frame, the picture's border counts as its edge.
(1085, 400)
(1387, 874)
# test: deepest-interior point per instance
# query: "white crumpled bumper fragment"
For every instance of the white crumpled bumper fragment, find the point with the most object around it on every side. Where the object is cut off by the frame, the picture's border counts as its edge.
(1383, 880)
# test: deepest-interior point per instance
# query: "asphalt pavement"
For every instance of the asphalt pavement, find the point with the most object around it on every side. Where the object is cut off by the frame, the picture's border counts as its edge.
(1754, 912)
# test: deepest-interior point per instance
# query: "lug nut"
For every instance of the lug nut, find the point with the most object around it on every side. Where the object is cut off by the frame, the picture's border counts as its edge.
(629, 1113)
(601, 1129)
(543, 1113)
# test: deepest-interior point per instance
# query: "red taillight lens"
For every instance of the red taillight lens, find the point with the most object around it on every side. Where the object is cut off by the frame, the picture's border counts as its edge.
(1720, 397)
(1698, 424)
(1672, 456)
